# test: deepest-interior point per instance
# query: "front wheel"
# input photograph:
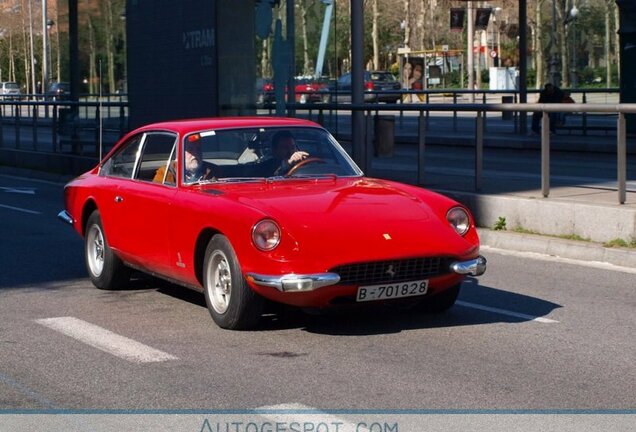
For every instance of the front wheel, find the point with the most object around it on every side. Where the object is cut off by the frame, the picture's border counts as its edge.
(105, 268)
(231, 302)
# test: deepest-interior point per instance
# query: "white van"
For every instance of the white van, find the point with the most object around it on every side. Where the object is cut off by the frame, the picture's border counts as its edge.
(10, 90)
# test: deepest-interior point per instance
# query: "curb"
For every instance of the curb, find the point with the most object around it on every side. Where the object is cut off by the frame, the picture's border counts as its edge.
(600, 223)
(571, 249)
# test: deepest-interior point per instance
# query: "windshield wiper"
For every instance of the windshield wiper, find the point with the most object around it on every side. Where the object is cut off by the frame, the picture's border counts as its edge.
(237, 179)
(304, 176)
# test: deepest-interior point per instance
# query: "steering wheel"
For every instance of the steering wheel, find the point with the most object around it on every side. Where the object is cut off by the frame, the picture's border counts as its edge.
(302, 163)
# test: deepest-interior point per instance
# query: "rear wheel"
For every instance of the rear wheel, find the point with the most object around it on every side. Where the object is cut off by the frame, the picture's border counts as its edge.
(231, 302)
(105, 269)
(440, 302)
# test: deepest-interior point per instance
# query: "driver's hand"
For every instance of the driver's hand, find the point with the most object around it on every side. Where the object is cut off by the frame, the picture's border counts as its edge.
(297, 157)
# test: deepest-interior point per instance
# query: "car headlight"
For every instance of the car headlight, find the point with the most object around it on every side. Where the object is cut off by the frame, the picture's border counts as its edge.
(266, 235)
(459, 220)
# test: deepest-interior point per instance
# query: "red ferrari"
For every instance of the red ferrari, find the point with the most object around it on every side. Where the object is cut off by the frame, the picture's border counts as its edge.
(249, 209)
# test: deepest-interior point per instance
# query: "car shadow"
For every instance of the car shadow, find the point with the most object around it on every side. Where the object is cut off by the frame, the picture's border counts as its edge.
(393, 319)
(387, 318)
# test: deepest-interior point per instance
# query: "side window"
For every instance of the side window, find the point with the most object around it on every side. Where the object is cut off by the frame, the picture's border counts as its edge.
(122, 164)
(154, 164)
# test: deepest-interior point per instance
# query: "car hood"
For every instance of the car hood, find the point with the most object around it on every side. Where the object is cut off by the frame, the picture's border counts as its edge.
(349, 220)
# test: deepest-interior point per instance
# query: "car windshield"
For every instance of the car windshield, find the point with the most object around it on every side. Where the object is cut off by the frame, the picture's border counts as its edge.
(12, 86)
(257, 154)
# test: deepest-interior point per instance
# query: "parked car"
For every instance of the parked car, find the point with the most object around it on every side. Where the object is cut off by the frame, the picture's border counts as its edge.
(58, 91)
(319, 235)
(379, 86)
(306, 91)
(264, 91)
(10, 90)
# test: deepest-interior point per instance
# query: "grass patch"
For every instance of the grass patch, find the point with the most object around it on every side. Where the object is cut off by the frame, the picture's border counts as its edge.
(618, 242)
(522, 230)
(615, 243)
(574, 237)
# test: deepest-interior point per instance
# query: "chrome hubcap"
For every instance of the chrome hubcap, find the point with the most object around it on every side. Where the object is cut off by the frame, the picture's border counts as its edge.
(219, 282)
(95, 250)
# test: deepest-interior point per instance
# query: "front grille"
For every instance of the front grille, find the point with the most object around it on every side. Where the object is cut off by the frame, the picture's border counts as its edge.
(377, 272)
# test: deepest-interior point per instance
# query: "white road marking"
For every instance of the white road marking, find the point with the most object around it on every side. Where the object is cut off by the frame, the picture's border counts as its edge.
(557, 259)
(105, 340)
(505, 312)
(19, 209)
(18, 190)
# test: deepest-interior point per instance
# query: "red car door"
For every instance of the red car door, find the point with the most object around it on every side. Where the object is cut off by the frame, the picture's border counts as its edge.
(142, 215)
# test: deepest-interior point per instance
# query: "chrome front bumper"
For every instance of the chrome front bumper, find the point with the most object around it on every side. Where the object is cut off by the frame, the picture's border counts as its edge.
(65, 217)
(474, 267)
(309, 282)
(295, 282)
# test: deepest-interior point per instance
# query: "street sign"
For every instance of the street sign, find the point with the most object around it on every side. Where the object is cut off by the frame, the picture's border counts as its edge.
(445, 48)
(493, 54)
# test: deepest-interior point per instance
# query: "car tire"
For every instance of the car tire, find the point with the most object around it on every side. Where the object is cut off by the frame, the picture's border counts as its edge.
(105, 269)
(231, 302)
(441, 302)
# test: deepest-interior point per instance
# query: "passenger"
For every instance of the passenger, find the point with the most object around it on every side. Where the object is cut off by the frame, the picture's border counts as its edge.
(285, 152)
(195, 168)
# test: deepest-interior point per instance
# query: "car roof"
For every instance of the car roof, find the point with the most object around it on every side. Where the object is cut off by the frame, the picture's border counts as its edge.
(192, 125)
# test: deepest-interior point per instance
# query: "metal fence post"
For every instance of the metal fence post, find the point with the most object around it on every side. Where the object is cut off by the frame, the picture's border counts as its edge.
(454, 112)
(34, 126)
(545, 154)
(1, 131)
(621, 146)
(54, 130)
(122, 122)
(479, 150)
(368, 142)
(421, 147)
(17, 125)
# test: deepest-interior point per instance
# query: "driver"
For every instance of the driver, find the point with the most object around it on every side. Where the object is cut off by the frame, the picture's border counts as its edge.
(285, 152)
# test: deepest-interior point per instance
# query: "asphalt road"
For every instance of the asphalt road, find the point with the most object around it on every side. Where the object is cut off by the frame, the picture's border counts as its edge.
(530, 334)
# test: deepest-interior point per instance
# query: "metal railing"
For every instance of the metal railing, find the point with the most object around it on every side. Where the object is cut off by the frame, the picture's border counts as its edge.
(462, 97)
(480, 111)
(76, 124)
(55, 124)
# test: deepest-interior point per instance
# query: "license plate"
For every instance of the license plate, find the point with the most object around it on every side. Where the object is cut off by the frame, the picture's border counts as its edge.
(391, 291)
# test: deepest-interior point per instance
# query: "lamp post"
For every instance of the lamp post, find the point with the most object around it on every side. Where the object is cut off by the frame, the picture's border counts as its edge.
(574, 13)
(496, 59)
(555, 75)
(45, 49)
(49, 25)
(122, 17)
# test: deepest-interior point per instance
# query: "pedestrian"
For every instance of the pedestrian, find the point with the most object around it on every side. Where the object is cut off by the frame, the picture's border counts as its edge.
(549, 94)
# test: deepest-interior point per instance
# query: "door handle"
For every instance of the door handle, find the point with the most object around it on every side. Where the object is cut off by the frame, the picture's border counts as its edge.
(118, 199)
